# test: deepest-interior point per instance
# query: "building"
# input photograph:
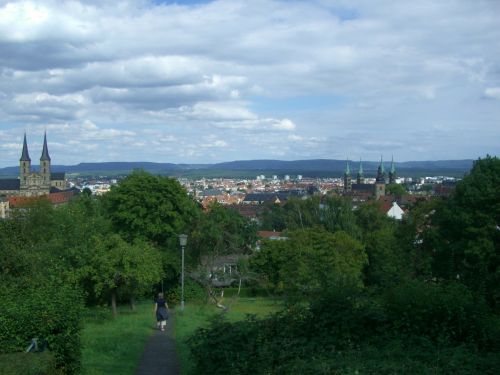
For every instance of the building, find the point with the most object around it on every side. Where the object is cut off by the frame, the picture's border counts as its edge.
(31, 183)
(392, 210)
(362, 190)
(380, 181)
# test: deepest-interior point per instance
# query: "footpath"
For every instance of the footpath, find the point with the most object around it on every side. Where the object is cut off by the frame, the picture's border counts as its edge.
(159, 356)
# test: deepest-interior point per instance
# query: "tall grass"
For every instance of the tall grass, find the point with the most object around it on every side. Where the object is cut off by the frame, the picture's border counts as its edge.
(197, 315)
(114, 346)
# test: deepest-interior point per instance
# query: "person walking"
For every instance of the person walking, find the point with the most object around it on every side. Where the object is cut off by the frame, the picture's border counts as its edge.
(161, 310)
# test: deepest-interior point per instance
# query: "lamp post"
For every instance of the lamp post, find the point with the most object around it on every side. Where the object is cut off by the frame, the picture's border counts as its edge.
(182, 240)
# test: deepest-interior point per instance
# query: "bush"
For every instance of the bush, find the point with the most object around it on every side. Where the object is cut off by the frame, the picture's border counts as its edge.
(28, 364)
(444, 312)
(50, 312)
(418, 328)
(248, 291)
(193, 291)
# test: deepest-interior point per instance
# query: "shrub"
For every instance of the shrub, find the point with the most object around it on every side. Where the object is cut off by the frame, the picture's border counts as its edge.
(443, 312)
(28, 364)
(248, 291)
(48, 311)
(193, 291)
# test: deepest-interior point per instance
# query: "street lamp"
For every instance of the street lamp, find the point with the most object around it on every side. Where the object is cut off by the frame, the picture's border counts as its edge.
(182, 240)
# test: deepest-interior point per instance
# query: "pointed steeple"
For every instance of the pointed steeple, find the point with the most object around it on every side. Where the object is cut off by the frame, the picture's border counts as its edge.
(25, 156)
(380, 172)
(360, 178)
(347, 178)
(45, 151)
(347, 168)
(392, 173)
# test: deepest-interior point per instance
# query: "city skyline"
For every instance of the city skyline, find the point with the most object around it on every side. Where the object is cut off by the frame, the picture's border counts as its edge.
(216, 81)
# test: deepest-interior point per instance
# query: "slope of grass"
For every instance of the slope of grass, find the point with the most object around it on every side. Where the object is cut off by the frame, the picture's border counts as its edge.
(197, 315)
(114, 346)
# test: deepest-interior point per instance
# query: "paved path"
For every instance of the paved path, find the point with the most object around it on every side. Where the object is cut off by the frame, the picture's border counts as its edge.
(159, 356)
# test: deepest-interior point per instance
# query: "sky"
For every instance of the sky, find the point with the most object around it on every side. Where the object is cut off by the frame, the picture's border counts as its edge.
(213, 81)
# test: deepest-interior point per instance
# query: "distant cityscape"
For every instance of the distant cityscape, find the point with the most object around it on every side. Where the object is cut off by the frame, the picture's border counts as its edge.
(239, 192)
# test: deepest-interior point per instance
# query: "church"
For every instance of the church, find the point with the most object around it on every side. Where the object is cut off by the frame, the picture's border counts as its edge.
(361, 189)
(31, 183)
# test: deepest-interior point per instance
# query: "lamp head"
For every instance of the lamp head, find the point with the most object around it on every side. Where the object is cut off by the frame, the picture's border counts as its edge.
(183, 239)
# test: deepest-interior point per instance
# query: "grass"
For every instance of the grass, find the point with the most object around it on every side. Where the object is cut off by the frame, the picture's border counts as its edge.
(197, 315)
(114, 346)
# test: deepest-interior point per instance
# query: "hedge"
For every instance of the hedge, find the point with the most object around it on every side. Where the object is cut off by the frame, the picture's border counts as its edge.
(28, 364)
(50, 312)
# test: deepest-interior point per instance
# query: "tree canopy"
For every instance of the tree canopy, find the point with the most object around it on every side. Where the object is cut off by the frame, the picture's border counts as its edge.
(154, 208)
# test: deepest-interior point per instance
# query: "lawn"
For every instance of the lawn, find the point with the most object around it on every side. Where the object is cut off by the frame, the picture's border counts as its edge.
(197, 315)
(114, 346)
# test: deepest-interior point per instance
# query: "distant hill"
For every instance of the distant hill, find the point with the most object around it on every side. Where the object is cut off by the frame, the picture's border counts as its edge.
(313, 168)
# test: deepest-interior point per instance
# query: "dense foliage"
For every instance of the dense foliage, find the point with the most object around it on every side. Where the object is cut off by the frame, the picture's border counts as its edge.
(120, 247)
(154, 208)
(45, 310)
(422, 296)
(418, 328)
(311, 261)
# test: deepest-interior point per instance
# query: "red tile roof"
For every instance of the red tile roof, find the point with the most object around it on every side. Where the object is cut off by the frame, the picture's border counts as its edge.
(268, 234)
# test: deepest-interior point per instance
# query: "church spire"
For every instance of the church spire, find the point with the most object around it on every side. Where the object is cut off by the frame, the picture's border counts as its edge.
(381, 172)
(392, 173)
(45, 152)
(25, 156)
(360, 178)
(347, 168)
(347, 178)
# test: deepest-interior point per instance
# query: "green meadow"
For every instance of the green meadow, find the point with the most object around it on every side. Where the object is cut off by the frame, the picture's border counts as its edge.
(114, 346)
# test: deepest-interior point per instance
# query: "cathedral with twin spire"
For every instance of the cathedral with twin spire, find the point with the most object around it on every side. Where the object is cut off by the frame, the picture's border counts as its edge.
(33, 183)
(376, 190)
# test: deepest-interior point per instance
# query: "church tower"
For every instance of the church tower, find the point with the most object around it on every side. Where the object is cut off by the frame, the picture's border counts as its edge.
(45, 162)
(347, 178)
(392, 173)
(360, 178)
(380, 181)
(24, 163)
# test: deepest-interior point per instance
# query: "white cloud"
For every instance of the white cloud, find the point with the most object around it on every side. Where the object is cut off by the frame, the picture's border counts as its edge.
(492, 92)
(284, 124)
(307, 73)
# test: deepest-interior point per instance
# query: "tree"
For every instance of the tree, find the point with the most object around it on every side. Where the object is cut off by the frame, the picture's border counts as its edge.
(333, 214)
(397, 190)
(154, 208)
(387, 259)
(218, 231)
(311, 260)
(121, 267)
(221, 231)
(465, 234)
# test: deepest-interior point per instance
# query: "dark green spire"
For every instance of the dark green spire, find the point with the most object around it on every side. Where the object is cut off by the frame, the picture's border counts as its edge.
(380, 172)
(360, 171)
(347, 168)
(25, 156)
(392, 173)
(45, 152)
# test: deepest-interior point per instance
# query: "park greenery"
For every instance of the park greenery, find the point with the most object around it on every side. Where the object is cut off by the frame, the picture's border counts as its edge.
(360, 292)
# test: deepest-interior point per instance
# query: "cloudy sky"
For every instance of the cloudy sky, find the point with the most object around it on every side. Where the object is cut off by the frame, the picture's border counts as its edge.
(210, 81)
